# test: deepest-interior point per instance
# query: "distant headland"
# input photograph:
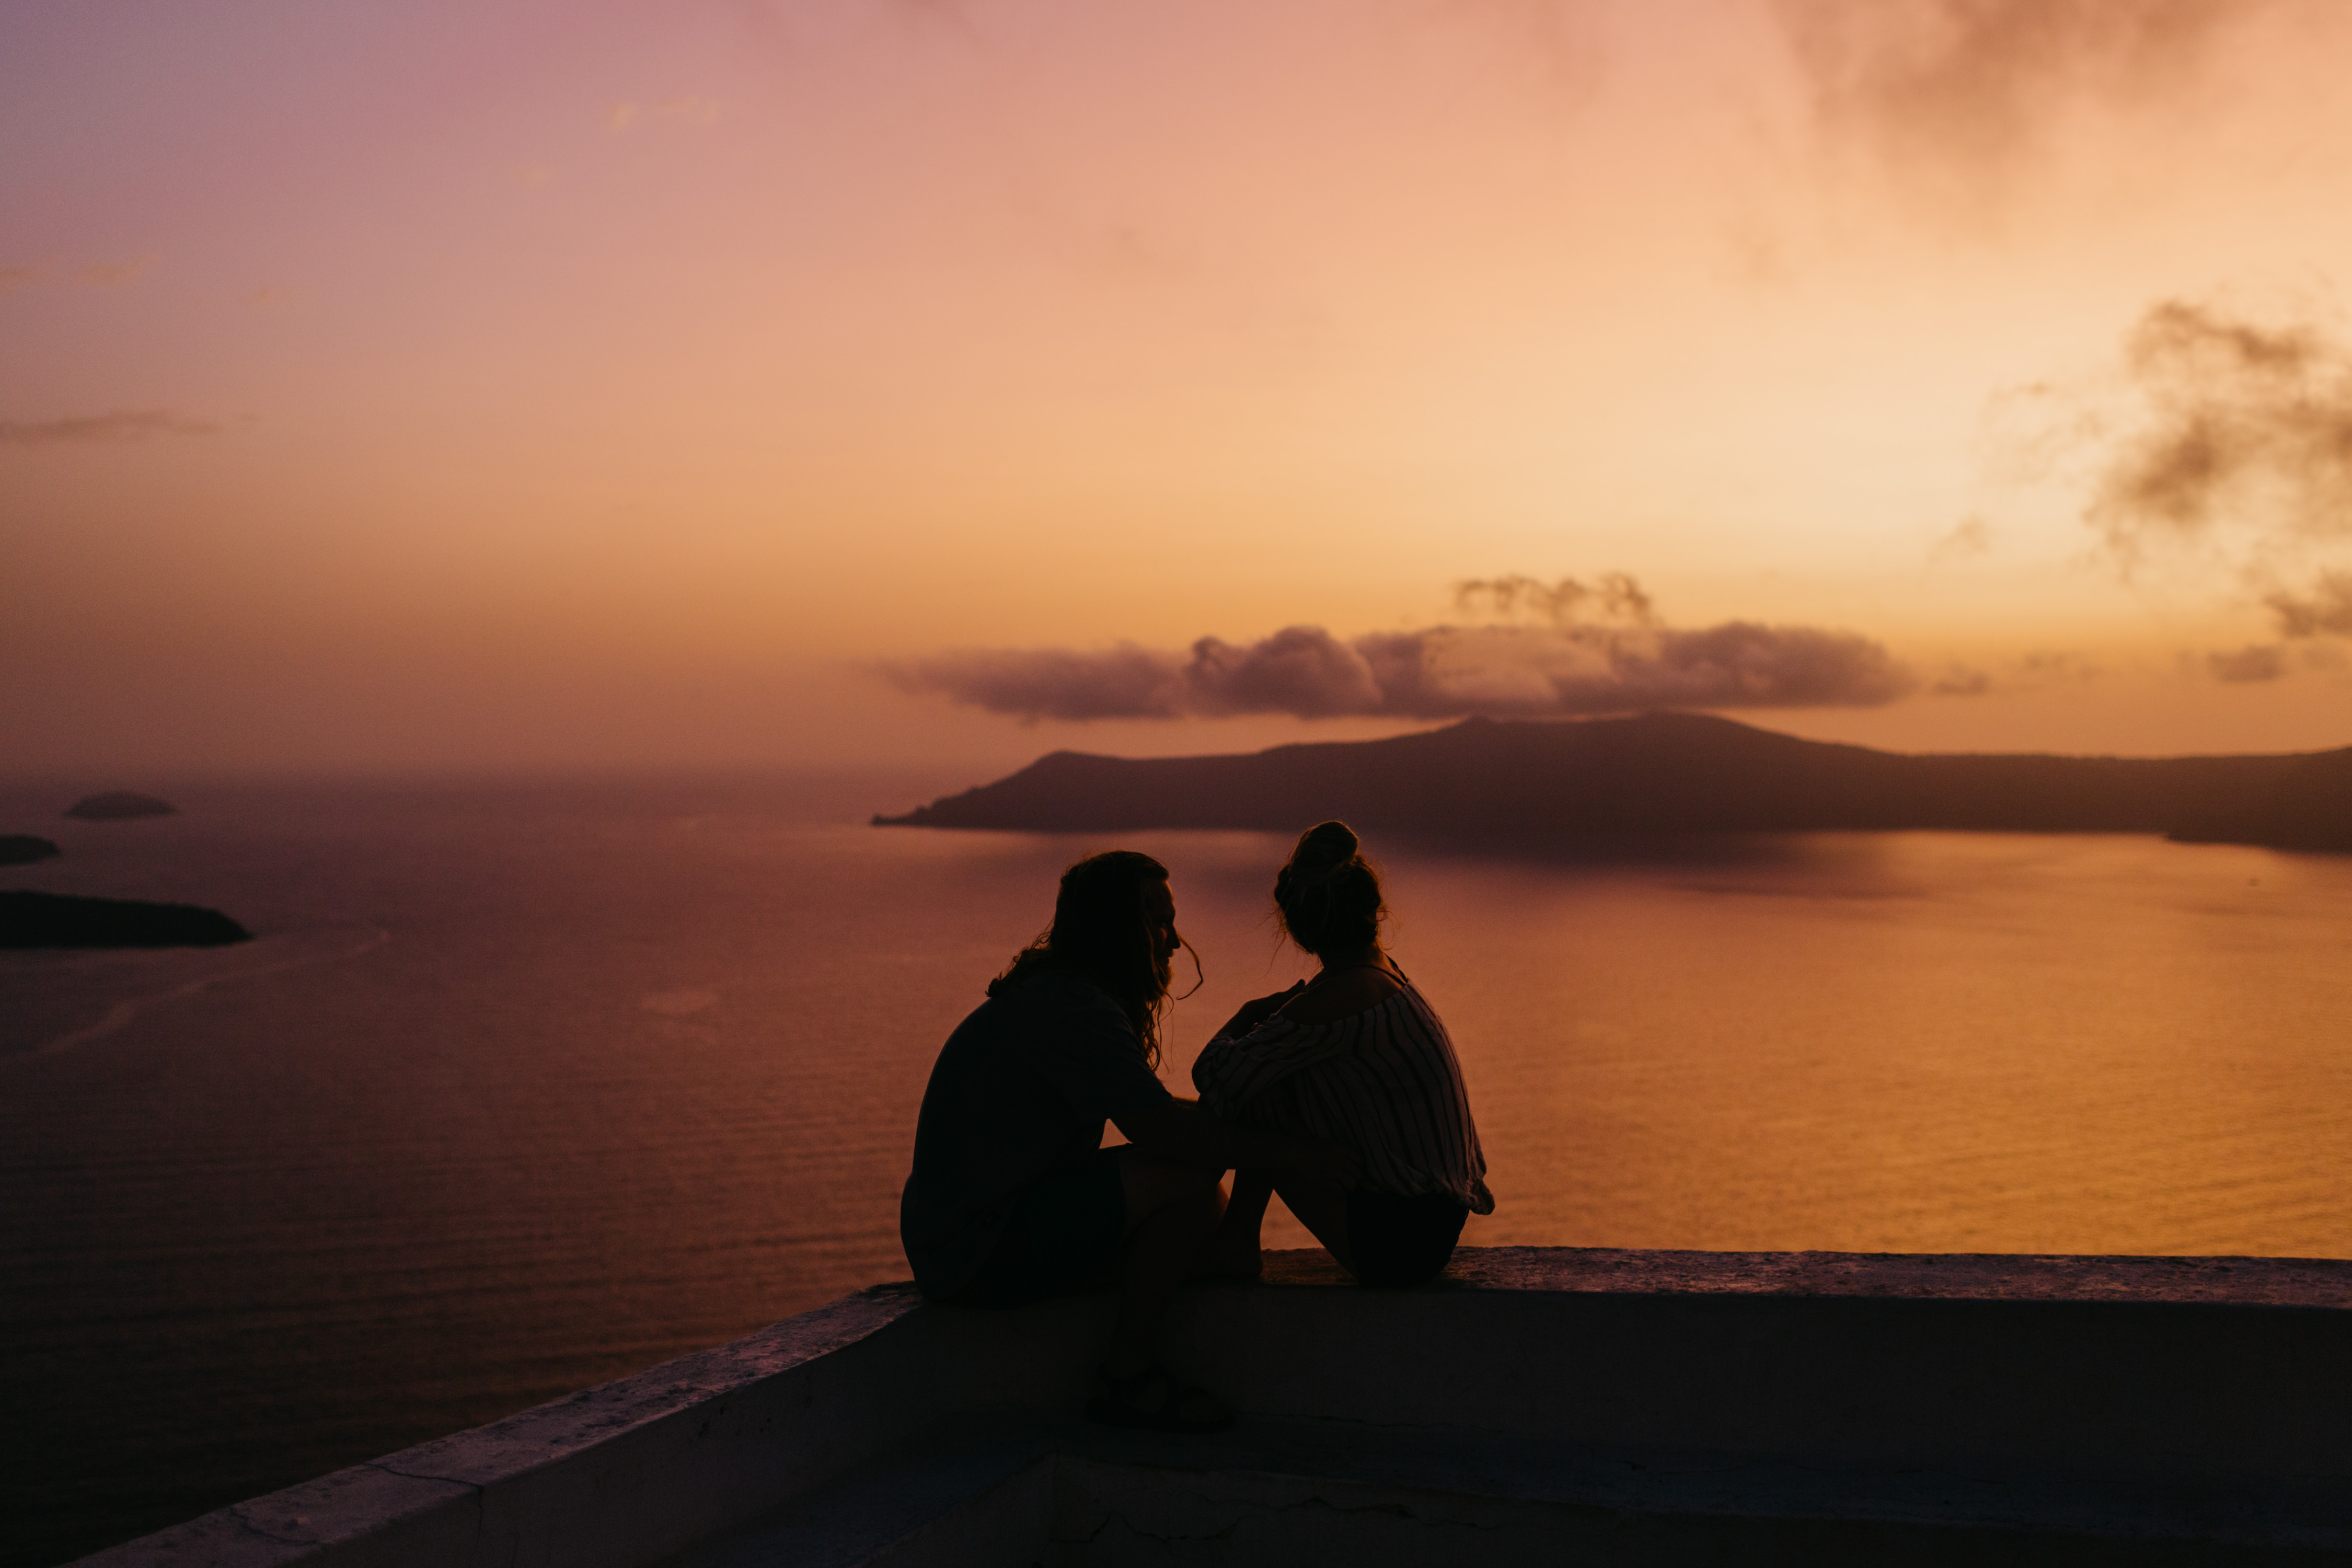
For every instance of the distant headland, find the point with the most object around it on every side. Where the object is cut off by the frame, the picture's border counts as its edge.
(1662, 775)
(24, 849)
(119, 805)
(58, 919)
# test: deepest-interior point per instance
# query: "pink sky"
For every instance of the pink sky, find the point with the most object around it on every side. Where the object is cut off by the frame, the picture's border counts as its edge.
(523, 384)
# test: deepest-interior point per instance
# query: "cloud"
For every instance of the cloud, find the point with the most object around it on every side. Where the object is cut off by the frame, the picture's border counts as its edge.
(2238, 424)
(2256, 661)
(118, 425)
(15, 277)
(1124, 682)
(2323, 610)
(1973, 536)
(1303, 670)
(2033, 672)
(2225, 444)
(1614, 595)
(1558, 670)
(2056, 667)
(1983, 81)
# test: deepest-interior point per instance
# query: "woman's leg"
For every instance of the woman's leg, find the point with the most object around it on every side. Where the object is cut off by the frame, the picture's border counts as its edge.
(1322, 1208)
(1172, 1213)
(1403, 1241)
(1235, 1254)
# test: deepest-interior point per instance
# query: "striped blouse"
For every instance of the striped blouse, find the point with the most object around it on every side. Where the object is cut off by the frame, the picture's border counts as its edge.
(1383, 1081)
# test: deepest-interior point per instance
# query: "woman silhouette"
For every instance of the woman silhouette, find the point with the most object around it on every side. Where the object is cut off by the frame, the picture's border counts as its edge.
(1357, 1056)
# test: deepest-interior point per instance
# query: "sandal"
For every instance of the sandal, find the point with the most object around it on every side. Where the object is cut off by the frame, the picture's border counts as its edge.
(1157, 1400)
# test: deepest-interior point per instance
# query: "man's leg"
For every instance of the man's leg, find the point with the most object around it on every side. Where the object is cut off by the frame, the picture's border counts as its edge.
(1172, 1213)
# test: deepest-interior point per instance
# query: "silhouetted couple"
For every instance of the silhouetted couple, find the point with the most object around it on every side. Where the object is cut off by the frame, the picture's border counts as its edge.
(1342, 1094)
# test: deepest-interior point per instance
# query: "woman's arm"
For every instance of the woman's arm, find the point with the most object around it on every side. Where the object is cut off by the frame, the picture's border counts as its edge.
(1234, 1069)
(1180, 1131)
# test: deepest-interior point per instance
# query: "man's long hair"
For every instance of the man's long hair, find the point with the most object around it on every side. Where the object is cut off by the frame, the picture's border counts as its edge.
(1103, 930)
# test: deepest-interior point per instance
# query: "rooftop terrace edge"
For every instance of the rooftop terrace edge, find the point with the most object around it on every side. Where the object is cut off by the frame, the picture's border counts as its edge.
(2221, 1372)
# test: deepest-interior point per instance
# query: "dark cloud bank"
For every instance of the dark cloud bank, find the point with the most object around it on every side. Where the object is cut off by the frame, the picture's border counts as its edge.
(1565, 668)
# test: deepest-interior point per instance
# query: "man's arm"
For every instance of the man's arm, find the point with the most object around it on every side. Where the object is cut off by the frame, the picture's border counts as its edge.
(1258, 1010)
(1178, 1131)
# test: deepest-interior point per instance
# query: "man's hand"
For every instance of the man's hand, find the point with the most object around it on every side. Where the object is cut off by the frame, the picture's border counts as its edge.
(1258, 1010)
(1180, 1133)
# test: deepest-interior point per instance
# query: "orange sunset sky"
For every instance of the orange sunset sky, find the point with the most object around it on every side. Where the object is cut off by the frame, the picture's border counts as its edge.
(838, 380)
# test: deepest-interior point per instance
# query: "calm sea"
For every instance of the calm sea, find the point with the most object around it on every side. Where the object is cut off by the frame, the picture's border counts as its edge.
(523, 1087)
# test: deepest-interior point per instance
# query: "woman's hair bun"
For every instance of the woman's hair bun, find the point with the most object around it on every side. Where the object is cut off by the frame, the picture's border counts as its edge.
(1328, 895)
(1325, 844)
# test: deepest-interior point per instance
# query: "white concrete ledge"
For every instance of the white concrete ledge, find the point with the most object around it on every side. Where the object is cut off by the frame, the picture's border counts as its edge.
(2057, 1398)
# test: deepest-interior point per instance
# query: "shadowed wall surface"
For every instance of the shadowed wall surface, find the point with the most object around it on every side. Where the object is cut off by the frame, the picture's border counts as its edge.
(1665, 1405)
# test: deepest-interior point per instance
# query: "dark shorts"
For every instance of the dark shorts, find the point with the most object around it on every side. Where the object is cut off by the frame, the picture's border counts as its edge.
(1068, 1229)
(1400, 1240)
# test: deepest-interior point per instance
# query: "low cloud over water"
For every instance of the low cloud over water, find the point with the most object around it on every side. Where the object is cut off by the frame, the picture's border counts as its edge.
(1563, 668)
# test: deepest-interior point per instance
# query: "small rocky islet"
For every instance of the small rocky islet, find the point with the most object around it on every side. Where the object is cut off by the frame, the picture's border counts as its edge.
(30, 919)
(25, 849)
